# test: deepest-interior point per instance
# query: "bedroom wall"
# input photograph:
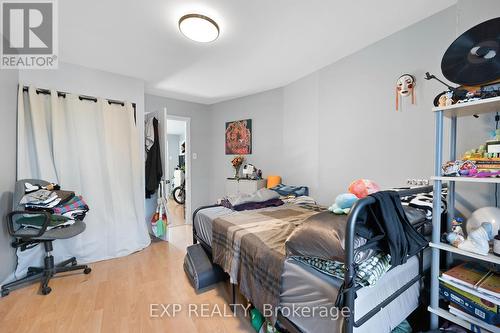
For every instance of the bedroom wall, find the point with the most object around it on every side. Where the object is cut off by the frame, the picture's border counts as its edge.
(8, 108)
(266, 111)
(340, 123)
(200, 142)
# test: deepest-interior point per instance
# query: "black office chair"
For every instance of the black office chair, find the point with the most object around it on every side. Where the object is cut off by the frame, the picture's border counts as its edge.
(26, 238)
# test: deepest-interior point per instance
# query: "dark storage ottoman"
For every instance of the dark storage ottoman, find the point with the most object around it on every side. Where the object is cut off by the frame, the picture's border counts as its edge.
(199, 268)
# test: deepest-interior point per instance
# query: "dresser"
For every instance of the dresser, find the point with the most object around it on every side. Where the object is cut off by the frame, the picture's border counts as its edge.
(243, 186)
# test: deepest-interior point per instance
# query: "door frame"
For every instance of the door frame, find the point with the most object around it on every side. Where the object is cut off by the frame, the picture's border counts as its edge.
(187, 158)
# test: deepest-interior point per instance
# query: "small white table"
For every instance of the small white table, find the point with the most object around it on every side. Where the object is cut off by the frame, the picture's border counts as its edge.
(243, 186)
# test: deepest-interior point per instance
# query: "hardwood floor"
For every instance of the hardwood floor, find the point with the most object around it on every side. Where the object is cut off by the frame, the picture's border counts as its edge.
(176, 213)
(117, 295)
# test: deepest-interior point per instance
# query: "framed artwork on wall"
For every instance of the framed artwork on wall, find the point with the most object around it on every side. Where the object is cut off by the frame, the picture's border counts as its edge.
(239, 137)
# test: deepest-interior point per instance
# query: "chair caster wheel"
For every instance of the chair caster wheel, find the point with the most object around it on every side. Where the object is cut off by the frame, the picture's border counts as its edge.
(5, 292)
(87, 270)
(46, 290)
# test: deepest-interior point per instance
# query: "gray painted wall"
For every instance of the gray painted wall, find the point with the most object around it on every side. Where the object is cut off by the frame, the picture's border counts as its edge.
(266, 111)
(339, 123)
(8, 111)
(201, 141)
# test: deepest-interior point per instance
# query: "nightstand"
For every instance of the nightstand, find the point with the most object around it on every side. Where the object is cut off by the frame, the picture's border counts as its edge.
(243, 186)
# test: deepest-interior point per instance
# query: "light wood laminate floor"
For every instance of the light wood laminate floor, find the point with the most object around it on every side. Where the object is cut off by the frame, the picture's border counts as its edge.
(116, 297)
(176, 213)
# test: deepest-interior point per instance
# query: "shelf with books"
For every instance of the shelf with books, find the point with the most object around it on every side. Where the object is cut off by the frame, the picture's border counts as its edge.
(446, 247)
(469, 323)
(453, 112)
(472, 291)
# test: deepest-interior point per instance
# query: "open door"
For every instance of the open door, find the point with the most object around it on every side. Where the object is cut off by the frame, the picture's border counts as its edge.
(179, 169)
(152, 204)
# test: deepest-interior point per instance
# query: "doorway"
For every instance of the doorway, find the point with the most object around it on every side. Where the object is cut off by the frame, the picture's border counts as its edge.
(173, 134)
(178, 170)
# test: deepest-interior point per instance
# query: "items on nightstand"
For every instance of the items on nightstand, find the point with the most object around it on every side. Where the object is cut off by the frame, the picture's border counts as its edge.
(240, 186)
(273, 181)
(251, 172)
(236, 163)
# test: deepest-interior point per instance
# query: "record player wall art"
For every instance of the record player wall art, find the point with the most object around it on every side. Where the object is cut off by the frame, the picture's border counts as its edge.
(473, 62)
(405, 86)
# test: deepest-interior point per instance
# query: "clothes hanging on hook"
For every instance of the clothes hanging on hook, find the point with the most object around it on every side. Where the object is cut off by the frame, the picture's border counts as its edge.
(154, 170)
(149, 134)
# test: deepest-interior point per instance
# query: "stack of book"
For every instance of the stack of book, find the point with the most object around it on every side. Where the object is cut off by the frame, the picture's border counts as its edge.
(474, 293)
(486, 164)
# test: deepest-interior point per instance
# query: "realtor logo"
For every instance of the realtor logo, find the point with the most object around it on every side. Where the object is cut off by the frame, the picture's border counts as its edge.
(29, 34)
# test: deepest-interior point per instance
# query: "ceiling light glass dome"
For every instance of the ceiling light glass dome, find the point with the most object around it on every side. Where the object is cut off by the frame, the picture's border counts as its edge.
(199, 28)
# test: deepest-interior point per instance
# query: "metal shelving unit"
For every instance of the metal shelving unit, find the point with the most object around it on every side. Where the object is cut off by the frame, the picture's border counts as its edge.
(453, 112)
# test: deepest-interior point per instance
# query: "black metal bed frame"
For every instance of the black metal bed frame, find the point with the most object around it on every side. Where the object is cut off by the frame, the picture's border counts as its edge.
(349, 289)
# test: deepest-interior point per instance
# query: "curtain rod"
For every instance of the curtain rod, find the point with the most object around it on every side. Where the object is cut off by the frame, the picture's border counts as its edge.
(81, 97)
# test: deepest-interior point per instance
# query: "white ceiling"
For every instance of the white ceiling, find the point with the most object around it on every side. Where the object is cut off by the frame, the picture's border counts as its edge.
(263, 44)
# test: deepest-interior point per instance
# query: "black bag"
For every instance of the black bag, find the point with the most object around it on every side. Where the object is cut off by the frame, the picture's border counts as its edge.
(199, 268)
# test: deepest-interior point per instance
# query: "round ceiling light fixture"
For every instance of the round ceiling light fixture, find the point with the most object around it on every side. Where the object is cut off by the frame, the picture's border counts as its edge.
(199, 28)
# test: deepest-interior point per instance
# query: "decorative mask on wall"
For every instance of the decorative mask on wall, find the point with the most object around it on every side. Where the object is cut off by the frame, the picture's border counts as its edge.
(405, 86)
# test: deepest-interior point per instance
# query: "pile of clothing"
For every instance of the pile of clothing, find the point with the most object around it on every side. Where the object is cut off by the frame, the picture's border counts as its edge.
(64, 207)
(274, 197)
(263, 198)
(424, 201)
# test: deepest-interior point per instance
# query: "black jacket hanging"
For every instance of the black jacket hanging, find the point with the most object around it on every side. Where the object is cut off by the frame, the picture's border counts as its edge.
(387, 215)
(154, 170)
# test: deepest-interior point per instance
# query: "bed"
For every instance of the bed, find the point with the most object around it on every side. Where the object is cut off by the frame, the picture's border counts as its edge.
(302, 285)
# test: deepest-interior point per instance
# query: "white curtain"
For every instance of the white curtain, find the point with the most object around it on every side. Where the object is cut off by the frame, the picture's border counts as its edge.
(91, 148)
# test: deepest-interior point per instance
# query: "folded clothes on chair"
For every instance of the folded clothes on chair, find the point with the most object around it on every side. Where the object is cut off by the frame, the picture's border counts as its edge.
(65, 196)
(28, 188)
(75, 203)
(37, 221)
(40, 197)
(47, 206)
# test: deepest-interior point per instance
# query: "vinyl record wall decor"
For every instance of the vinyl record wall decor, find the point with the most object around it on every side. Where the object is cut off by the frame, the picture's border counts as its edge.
(239, 137)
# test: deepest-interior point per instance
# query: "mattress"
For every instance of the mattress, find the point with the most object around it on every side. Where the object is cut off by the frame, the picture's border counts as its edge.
(303, 286)
(204, 218)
